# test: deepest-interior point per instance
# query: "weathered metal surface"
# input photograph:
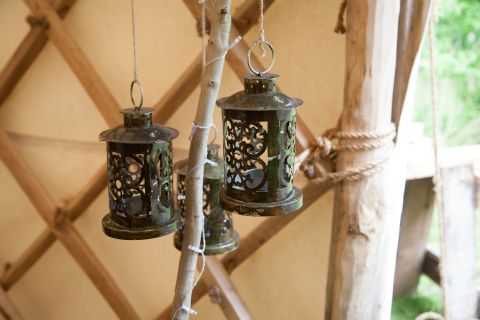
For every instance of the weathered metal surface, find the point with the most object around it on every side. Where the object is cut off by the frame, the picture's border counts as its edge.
(140, 179)
(259, 149)
(220, 236)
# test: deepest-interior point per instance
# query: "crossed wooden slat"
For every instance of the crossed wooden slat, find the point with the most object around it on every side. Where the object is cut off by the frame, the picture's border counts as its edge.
(60, 217)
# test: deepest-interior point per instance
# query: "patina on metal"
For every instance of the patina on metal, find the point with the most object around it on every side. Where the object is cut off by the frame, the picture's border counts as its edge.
(140, 179)
(220, 236)
(259, 149)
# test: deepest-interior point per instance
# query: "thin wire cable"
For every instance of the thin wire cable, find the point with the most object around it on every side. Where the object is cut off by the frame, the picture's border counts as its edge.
(204, 31)
(135, 75)
(262, 22)
(135, 81)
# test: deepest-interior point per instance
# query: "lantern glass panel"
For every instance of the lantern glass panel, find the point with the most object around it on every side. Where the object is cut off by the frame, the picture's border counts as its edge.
(220, 236)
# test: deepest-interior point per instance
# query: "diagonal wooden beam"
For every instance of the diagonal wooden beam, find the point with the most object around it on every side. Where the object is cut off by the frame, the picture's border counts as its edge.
(27, 52)
(223, 291)
(64, 230)
(78, 62)
(7, 310)
(73, 209)
(179, 92)
(258, 237)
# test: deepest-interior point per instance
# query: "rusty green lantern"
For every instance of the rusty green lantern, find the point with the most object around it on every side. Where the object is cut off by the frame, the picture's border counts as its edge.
(140, 179)
(259, 149)
(220, 236)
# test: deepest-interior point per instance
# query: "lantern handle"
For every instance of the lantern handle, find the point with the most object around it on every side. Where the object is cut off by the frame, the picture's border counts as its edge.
(263, 43)
(136, 84)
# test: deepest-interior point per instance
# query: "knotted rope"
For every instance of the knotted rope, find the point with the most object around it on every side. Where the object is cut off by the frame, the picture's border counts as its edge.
(334, 141)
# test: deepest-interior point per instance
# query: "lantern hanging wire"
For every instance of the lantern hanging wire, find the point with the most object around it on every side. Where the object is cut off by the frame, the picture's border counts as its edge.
(263, 44)
(135, 82)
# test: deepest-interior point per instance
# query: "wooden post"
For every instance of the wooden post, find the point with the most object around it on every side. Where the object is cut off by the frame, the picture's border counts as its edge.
(366, 212)
(218, 45)
(458, 263)
(415, 227)
(411, 28)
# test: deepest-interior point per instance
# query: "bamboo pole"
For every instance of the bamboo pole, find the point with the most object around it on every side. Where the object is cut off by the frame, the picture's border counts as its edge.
(64, 230)
(218, 45)
(78, 62)
(27, 52)
(366, 212)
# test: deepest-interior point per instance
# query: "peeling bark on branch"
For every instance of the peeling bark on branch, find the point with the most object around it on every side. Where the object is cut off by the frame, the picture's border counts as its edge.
(219, 13)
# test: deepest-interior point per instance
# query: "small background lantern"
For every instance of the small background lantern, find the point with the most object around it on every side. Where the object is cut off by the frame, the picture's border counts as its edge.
(220, 237)
(259, 149)
(140, 178)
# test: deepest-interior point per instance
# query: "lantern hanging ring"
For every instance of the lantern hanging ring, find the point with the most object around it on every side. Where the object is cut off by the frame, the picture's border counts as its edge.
(263, 43)
(136, 84)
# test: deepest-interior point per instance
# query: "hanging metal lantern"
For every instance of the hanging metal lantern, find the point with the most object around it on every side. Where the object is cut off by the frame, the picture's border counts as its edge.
(140, 180)
(259, 149)
(220, 237)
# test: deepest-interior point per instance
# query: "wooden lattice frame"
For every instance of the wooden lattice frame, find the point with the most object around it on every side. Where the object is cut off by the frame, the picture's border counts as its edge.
(46, 24)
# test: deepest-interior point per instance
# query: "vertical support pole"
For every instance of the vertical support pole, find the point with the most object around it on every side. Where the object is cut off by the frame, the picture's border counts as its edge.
(366, 212)
(457, 265)
(415, 227)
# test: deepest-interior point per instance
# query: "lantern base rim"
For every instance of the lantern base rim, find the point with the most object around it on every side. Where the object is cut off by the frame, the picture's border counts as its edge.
(227, 246)
(117, 231)
(264, 209)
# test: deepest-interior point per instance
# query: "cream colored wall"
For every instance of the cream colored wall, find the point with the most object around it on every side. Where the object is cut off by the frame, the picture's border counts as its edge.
(285, 279)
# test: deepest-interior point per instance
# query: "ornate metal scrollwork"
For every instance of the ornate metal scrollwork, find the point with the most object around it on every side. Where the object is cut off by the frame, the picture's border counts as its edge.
(289, 151)
(244, 145)
(127, 183)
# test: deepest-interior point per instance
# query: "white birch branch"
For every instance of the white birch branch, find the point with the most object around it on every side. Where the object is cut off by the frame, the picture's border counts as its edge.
(219, 14)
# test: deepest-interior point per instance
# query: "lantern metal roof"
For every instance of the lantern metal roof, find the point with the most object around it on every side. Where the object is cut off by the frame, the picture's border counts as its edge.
(138, 127)
(260, 94)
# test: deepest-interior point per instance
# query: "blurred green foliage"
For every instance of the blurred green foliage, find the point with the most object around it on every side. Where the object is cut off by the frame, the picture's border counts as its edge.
(457, 63)
(427, 298)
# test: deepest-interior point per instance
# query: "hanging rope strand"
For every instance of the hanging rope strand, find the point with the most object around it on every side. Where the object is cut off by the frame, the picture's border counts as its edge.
(135, 75)
(261, 21)
(135, 82)
(204, 31)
